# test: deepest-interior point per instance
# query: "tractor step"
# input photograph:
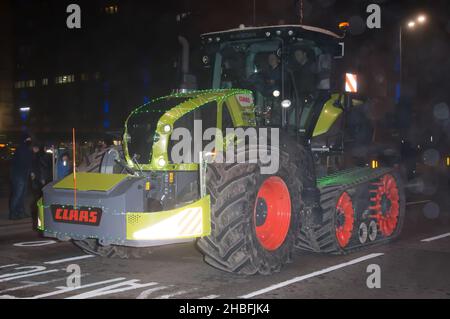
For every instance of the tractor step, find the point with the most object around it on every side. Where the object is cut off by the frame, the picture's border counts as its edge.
(352, 217)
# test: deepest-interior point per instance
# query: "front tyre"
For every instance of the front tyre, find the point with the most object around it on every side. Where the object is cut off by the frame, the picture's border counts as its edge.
(254, 217)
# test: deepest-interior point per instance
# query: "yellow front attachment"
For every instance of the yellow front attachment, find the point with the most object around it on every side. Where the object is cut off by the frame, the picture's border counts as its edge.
(190, 221)
(91, 182)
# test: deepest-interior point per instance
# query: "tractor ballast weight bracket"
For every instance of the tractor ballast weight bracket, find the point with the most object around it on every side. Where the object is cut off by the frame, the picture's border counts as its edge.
(117, 201)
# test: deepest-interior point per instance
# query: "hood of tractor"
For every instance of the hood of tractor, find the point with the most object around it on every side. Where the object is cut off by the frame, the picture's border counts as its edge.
(149, 127)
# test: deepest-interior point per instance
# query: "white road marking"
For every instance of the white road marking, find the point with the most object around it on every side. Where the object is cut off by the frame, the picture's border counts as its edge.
(61, 261)
(34, 284)
(30, 284)
(178, 293)
(35, 243)
(6, 266)
(314, 274)
(113, 289)
(26, 270)
(210, 297)
(63, 290)
(435, 237)
(148, 292)
(29, 275)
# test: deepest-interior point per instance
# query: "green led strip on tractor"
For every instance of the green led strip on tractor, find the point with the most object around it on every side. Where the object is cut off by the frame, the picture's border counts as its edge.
(198, 99)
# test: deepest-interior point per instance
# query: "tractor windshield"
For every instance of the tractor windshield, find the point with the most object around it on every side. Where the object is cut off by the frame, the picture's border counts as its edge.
(251, 64)
(141, 128)
(286, 78)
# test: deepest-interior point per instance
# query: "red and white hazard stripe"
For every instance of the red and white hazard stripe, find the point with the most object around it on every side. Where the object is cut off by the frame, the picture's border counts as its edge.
(351, 83)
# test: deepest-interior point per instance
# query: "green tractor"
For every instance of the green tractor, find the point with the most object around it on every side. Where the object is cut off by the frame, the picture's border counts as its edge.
(280, 83)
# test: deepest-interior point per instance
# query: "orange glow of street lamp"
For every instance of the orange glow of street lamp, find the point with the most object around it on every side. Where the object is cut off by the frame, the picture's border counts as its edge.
(421, 19)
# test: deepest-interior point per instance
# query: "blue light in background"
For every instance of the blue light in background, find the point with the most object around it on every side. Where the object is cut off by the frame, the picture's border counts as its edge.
(106, 107)
(106, 123)
(146, 99)
(398, 92)
(24, 112)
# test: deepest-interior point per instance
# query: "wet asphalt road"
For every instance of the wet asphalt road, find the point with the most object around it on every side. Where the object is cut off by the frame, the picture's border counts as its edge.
(409, 268)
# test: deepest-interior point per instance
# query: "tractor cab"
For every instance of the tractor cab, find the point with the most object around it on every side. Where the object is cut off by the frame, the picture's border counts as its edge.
(288, 68)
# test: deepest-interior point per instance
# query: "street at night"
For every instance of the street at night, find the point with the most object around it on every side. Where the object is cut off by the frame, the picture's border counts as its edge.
(199, 151)
(416, 266)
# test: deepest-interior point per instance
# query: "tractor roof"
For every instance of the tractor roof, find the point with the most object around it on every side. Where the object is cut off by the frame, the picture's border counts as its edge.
(268, 31)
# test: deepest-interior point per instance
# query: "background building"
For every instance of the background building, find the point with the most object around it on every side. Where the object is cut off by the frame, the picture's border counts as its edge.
(6, 66)
(127, 52)
(89, 78)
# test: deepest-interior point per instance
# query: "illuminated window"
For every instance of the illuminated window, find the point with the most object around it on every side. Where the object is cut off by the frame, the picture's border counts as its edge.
(45, 82)
(19, 85)
(64, 79)
(25, 84)
(113, 9)
(84, 77)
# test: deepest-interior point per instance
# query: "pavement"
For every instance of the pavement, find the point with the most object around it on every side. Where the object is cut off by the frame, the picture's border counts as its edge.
(417, 265)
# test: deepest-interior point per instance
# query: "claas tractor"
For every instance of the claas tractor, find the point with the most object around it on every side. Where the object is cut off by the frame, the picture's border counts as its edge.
(284, 78)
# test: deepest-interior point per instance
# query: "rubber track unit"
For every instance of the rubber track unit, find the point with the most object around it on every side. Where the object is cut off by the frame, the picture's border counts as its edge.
(355, 181)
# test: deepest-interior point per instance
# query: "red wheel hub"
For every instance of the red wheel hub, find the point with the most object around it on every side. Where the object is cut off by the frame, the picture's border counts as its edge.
(386, 204)
(272, 213)
(345, 219)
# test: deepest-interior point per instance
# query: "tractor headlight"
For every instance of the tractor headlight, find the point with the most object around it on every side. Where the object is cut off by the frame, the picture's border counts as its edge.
(162, 162)
(167, 128)
(276, 93)
(286, 104)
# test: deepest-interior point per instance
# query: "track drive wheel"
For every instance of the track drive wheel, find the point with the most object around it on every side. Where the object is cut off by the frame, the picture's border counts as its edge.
(388, 205)
(344, 220)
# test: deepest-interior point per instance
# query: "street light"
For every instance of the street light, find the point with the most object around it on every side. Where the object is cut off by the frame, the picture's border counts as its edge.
(421, 19)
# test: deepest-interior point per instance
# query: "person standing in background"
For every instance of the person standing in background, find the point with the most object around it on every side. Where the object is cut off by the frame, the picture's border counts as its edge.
(41, 172)
(20, 173)
(64, 166)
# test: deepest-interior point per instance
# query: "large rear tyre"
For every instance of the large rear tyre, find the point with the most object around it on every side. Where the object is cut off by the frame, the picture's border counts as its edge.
(92, 246)
(255, 217)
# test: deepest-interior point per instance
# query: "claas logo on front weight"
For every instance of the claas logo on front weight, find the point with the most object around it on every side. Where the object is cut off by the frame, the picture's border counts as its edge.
(71, 215)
